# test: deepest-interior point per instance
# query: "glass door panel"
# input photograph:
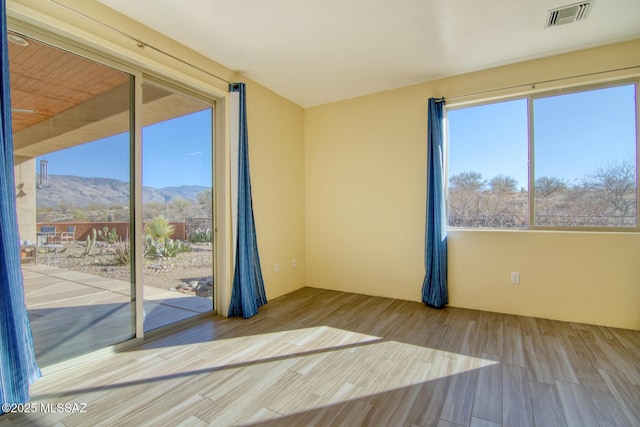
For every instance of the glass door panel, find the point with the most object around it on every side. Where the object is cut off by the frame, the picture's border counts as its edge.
(72, 137)
(177, 195)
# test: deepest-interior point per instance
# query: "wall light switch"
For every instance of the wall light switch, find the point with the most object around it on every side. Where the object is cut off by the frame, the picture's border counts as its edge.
(277, 267)
(515, 278)
(294, 263)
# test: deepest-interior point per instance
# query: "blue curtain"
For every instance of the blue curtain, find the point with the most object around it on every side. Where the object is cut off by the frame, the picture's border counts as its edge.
(434, 287)
(18, 368)
(247, 293)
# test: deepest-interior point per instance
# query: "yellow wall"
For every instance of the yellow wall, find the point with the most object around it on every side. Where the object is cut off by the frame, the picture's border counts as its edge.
(276, 158)
(365, 165)
(583, 277)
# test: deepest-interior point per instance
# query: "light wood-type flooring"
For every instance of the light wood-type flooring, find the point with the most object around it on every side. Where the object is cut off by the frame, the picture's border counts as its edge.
(324, 358)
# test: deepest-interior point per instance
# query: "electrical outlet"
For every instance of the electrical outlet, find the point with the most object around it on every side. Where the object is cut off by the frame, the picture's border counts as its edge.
(515, 278)
(277, 267)
(294, 263)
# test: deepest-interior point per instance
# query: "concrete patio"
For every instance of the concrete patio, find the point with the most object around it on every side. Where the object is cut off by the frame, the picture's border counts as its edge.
(73, 313)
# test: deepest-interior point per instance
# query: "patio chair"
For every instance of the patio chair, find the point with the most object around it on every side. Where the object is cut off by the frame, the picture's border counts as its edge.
(68, 236)
(50, 232)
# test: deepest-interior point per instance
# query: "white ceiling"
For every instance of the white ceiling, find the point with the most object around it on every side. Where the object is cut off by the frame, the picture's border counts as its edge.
(318, 51)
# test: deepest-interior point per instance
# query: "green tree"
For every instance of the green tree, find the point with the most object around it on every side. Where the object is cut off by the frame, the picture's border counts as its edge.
(615, 184)
(503, 184)
(178, 207)
(152, 209)
(205, 198)
(469, 181)
(79, 215)
(548, 185)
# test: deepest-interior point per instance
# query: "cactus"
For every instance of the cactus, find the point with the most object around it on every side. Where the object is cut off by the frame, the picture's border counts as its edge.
(109, 236)
(91, 241)
(152, 248)
(174, 247)
(169, 248)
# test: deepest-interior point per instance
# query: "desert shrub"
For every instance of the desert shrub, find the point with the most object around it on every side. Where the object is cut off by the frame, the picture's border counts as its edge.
(122, 253)
(158, 229)
(201, 235)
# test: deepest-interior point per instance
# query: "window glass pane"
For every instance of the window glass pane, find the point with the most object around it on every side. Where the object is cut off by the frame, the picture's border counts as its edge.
(488, 155)
(71, 130)
(585, 158)
(177, 173)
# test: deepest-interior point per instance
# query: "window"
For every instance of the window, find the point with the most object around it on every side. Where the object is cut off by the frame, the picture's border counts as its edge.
(578, 148)
(488, 165)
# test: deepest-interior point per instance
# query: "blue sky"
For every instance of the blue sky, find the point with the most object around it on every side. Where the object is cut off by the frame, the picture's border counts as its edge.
(574, 135)
(178, 152)
(175, 152)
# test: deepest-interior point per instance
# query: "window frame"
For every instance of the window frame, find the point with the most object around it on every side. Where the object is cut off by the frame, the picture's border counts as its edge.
(530, 98)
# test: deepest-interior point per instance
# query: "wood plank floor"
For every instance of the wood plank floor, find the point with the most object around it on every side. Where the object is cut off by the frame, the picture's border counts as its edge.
(318, 357)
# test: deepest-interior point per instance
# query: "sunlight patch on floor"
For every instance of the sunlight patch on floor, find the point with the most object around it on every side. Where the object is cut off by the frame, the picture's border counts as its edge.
(274, 374)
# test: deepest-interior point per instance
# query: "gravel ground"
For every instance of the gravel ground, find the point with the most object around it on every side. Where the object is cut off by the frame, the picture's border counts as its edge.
(165, 273)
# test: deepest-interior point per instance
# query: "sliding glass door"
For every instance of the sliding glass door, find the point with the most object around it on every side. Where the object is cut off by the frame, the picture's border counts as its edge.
(80, 148)
(177, 176)
(72, 133)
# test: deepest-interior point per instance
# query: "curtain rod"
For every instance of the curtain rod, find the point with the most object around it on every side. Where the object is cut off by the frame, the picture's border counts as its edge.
(140, 43)
(533, 84)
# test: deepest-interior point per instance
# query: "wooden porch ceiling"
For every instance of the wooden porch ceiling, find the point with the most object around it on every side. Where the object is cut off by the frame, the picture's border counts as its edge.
(60, 100)
(49, 81)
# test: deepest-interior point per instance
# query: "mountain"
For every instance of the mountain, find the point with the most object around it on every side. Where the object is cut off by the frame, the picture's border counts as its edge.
(82, 192)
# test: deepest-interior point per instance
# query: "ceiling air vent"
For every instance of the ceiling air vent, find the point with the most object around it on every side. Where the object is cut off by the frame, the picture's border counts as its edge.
(568, 14)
